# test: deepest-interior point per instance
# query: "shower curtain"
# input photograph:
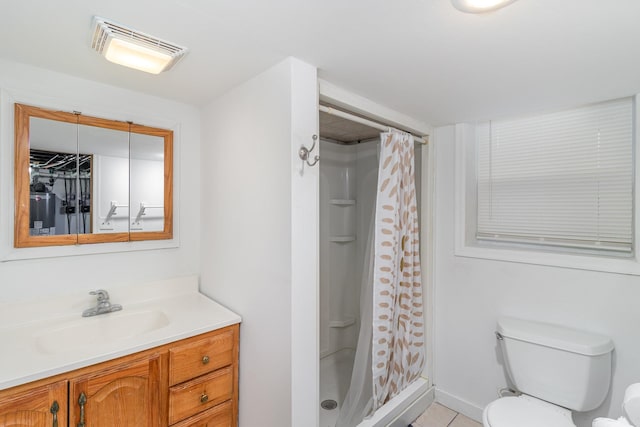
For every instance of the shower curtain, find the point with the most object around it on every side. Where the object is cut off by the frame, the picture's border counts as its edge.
(398, 325)
(391, 326)
(358, 403)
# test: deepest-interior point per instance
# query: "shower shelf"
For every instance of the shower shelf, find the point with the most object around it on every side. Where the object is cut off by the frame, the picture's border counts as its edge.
(348, 321)
(342, 239)
(343, 202)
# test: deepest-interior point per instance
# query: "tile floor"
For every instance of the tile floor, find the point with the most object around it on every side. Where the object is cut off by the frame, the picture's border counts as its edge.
(441, 416)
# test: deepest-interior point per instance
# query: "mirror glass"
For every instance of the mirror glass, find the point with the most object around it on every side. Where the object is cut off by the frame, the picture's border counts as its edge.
(108, 210)
(147, 183)
(53, 178)
(81, 179)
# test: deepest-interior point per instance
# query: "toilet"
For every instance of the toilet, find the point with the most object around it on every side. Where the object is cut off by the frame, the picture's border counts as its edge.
(554, 369)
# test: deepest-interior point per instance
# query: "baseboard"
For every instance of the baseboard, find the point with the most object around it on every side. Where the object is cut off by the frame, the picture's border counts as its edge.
(462, 406)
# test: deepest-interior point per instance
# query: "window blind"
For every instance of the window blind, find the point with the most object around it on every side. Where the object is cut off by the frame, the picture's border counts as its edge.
(559, 179)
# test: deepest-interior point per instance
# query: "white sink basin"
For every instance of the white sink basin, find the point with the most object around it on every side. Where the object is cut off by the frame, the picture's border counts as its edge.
(49, 336)
(83, 333)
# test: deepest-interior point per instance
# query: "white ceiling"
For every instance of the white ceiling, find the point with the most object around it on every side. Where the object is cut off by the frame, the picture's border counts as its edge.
(421, 58)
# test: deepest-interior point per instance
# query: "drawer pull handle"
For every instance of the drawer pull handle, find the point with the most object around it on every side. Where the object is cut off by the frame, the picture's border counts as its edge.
(205, 360)
(204, 398)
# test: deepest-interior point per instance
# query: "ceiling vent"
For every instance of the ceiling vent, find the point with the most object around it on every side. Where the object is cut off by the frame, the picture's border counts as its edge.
(134, 49)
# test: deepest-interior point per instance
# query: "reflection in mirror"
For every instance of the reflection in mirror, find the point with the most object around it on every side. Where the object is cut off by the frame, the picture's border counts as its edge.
(41, 217)
(151, 183)
(54, 180)
(147, 183)
(109, 150)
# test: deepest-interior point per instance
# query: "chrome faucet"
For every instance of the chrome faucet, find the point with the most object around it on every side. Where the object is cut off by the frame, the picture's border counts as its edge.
(103, 306)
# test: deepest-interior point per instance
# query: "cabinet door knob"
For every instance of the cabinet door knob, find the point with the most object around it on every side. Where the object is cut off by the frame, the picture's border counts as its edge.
(204, 398)
(205, 360)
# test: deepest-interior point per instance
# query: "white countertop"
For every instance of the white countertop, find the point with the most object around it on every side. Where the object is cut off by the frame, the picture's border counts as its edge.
(38, 341)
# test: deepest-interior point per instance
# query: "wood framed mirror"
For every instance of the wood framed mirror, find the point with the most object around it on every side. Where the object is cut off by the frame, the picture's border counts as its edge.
(81, 179)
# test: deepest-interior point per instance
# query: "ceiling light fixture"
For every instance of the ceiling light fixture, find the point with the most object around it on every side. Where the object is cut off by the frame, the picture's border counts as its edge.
(133, 49)
(479, 6)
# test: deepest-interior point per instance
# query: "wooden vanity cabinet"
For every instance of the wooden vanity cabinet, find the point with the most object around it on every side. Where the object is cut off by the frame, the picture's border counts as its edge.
(187, 383)
(35, 406)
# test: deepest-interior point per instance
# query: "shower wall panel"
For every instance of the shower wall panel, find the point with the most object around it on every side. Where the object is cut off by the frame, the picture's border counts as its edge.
(339, 298)
(348, 178)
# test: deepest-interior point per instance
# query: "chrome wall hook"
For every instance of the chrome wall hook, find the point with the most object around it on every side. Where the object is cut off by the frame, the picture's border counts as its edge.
(304, 152)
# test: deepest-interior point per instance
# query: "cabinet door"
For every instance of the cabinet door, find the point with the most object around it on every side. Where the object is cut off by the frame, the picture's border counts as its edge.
(43, 406)
(128, 394)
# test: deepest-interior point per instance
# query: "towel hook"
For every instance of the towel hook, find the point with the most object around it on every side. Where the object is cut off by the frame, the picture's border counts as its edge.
(304, 152)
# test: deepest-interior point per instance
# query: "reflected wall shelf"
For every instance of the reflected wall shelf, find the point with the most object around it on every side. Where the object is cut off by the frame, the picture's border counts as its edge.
(342, 239)
(342, 202)
(347, 321)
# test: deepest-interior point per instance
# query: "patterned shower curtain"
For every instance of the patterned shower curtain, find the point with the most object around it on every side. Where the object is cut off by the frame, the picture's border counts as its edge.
(398, 326)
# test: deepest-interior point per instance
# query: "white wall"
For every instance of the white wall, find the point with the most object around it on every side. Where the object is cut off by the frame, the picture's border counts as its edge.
(471, 293)
(147, 186)
(26, 279)
(128, 182)
(259, 237)
(111, 184)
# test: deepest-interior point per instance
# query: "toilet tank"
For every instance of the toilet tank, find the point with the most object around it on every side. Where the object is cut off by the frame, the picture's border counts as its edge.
(566, 367)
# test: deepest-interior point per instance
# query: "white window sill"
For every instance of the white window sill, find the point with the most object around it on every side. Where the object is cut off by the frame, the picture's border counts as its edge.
(581, 262)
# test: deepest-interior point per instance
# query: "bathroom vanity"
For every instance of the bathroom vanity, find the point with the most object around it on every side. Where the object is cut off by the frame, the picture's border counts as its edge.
(180, 368)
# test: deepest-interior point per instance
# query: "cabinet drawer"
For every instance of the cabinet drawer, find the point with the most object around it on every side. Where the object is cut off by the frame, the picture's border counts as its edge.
(200, 357)
(218, 416)
(202, 393)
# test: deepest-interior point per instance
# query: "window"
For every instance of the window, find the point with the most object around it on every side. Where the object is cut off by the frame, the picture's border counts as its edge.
(562, 180)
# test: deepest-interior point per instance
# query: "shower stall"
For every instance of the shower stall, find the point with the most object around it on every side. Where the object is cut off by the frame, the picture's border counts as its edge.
(348, 185)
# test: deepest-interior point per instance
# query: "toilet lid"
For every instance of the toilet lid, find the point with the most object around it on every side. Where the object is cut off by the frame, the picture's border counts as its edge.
(525, 412)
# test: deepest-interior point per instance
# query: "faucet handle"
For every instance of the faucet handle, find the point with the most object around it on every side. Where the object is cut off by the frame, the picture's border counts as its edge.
(101, 293)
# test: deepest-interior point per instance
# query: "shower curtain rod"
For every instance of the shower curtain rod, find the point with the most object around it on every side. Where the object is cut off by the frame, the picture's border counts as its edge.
(422, 140)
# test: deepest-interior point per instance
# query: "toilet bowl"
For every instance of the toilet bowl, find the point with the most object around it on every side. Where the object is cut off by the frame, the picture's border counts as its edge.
(557, 370)
(525, 411)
